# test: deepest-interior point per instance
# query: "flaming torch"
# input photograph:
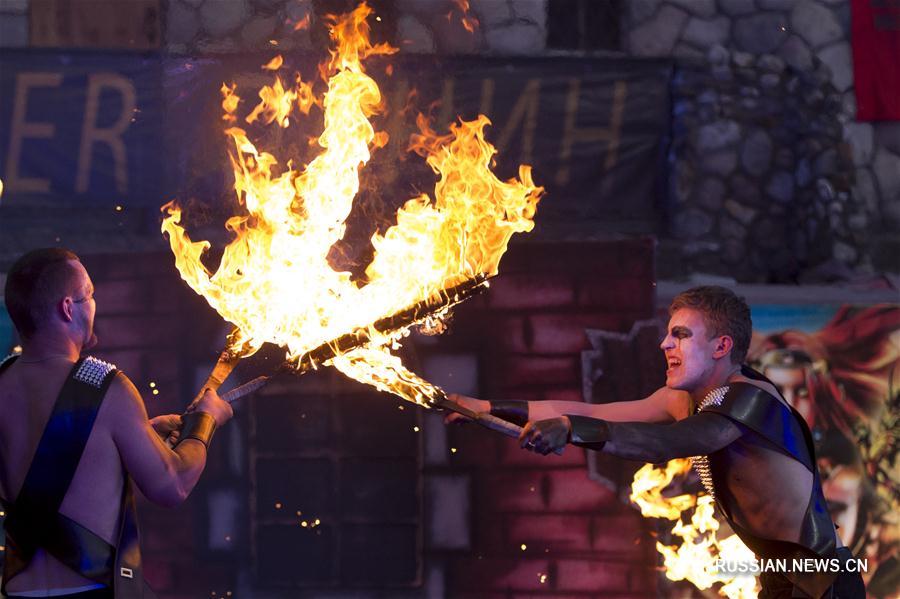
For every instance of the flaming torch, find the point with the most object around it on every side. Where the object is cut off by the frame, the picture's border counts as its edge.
(695, 558)
(274, 283)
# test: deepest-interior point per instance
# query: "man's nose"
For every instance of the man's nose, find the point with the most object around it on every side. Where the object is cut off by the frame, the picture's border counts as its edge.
(666, 343)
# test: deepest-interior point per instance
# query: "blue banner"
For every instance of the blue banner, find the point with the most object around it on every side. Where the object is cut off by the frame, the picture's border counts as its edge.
(80, 127)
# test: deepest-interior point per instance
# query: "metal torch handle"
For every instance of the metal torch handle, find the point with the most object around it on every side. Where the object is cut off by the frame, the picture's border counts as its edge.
(502, 426)
(223, 368)
(485, 419)
(245, 389)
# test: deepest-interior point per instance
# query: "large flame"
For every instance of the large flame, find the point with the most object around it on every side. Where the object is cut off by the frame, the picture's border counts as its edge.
(274, 282)
(695, 558)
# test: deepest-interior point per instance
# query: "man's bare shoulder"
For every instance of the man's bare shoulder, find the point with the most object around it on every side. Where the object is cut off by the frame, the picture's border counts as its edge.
(123, 401)
(764, 385)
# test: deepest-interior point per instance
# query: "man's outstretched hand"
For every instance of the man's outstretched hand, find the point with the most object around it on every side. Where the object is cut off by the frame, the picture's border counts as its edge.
(546, 436)
(475, 405)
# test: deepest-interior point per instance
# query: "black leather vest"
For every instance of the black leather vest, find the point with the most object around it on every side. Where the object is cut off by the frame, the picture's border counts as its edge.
(782, 426)
(33, 520)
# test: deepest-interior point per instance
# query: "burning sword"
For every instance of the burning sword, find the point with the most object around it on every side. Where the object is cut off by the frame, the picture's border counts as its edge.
(414, 314)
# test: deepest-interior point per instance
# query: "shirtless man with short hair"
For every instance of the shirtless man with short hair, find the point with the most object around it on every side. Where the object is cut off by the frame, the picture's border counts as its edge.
(753, 452)
(50, 397)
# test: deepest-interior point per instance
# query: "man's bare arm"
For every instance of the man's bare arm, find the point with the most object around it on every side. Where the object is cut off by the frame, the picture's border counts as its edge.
(164, 476)
(698, 435)
(663, 405)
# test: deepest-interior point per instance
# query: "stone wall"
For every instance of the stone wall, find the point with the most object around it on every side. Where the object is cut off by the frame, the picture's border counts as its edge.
(418, 26)
(772, 180)
(771, 175)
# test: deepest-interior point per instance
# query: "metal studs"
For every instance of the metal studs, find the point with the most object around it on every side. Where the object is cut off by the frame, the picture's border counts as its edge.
(93, 371)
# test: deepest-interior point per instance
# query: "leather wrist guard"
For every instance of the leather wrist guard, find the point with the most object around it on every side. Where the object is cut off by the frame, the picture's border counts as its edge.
(199, 426)
(591, 433)
(511, 411)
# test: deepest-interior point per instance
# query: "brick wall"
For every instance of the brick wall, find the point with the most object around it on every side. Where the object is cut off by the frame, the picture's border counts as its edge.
(525, 337)
(579, 539)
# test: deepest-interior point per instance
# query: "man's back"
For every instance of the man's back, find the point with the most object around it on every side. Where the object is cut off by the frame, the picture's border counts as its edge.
(771, 490)
(28, 392)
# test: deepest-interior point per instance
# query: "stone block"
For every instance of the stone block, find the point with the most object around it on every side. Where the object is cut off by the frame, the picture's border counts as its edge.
(221, 17)
(491, 13)
(531, 11)
(744, 214)
(182, 23)
(717, 135)
(771, 63)
(839, 59)
(781, 187)
(861, 138)
(450, 36)
(865, 191)
(887, 134)
(736, 8)
(886, 167)
(709, 193)
(704, 9)
(777, 4)
(760, 33)
(685, 50)
(706, 32)
(816, 24)
(516, 39)
(258, 31)
(796, 53)
(719, 162)
(756, 153)
(657, 36)
(641, 10)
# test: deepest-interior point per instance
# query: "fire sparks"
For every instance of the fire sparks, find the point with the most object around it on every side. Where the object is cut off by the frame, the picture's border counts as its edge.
(694, 559)
(274, 282)
(468, 21)
(274, 64)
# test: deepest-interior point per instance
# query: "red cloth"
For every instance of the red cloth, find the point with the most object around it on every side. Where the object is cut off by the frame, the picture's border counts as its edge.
(876, 59)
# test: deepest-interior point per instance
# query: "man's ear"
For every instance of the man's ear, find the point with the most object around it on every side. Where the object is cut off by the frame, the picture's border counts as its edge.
(724, 345)
(66, 307)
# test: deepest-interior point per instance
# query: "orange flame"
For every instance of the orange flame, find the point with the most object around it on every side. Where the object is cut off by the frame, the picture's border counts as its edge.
(274, 64)
(695, 558)
(274, 282)
(468, 22)
(302, 23)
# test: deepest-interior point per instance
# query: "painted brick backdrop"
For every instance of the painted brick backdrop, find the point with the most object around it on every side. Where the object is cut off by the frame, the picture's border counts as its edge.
(541, 527)
(527, 331)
